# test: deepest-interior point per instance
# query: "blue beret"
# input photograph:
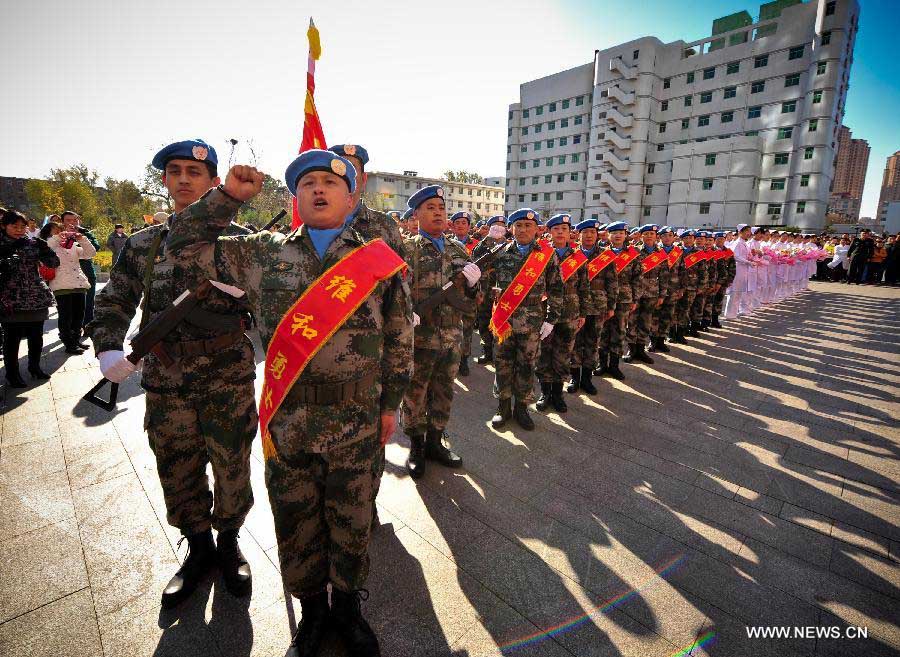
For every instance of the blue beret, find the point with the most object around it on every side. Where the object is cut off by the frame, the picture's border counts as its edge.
(462, 214)
(496, 219)
(479, 223)
(318, 160)
(190, 149)
(616, 225)
(523, 213)
(351, 150)
(687, 232)
(558, 219)
(646, 228)
(702, 233)
(665, 230)
(601, 226)
(633, 230)
(587, 223)
(719, 233)
(393, 214)
(431, 191)
(407, 214)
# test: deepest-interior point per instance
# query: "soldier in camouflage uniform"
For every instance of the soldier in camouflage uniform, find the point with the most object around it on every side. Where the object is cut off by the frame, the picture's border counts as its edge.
(704, 296)
(727, 272)
(333, 421)
(460, 223)
(664, 316)
(692, 279)
(532, 321)
(612, 339)
(654, 288)
(496, 234)
(433, 262)
(599, 307)
(214, 370)
(556, 351)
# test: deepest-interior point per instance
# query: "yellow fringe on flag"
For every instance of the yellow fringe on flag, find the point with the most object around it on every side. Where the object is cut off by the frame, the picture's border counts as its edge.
(315, 46)
(500, 335)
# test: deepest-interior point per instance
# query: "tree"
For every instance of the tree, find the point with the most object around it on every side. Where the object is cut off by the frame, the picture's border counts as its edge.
(152, 186)
(273, 198)
(462, 176)
(66, 189)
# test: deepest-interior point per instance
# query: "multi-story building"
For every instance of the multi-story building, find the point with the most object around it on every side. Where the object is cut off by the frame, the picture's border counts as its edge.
(738, 127)
(392, 191)
(890, 185)
(850, 164)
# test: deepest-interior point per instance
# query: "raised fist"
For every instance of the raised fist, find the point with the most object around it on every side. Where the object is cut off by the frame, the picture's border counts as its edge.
(243, 182)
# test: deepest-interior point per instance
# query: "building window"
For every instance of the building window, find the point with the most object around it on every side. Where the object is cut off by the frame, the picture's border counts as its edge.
(646, 211)
(781, 158)
(813, 125)
(688, 101)
(788, 106)
(535, 180)
(804, 180)
(710, 159)
(559, 196)
(525, 113)
(534, 197)
(551, 125)
(754, 112)
(546, 196)
(777, 183)
(785, 133)
(521, 198)
(792, 80)
(662, 127)
(709, 73)
(552, 107)
(576, 157)
(796, 52)
(508, 148)
(733, 67)
(538, 128)
(509, 132)
(730, 92)
(576, 139)
(523, 164)
(667, 82)
(648, 190)
(685, 124)
(760, 61)
(660, 147)
(774, 208)
(596, 197)
(817, 96)
(808, 153)
(561, 159)
(704, 208)
(829, 8)
(702, 120)
(525, 130)
(801, 207)
(727, 117)
(549, 161)
(573, 176)
(706, 97)
(564, 123)
(565, 104)
(707, 183)
(549, 143)
(820, 67)
(535, 164)
(537, 145)
(635, 54)
(690, 78)
(651, 168)
(579, 101)
(539, 110)
(758, 86)
(523, 148)
(563, 141)
(510, 115)
(663, 106)
(826, 38)
(578, 120)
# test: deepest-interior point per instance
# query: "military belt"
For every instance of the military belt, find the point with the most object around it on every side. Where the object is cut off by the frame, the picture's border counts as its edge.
(328, 394)
(209, 347)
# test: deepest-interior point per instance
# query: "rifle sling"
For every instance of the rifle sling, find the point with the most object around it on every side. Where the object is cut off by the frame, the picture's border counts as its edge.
(148, 275)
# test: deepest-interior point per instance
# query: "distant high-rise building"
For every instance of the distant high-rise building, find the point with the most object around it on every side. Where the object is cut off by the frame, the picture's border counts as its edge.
(890, 185)
(850, 164)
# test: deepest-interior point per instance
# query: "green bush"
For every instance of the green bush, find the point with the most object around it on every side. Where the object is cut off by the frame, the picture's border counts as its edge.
(103, 259)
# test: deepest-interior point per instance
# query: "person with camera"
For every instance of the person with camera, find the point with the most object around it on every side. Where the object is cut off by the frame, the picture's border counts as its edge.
(24, 296)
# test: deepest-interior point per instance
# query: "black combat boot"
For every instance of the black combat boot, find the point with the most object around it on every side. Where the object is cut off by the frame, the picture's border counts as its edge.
(603, 365)
(661, 345)
(640, 355)
(572, 385)
(354, 631)
(200, 560)
(415, 462)
(504, 413)
(436, 450)
(679, 336)
(464, 366)
(585, 382)
(715, 321)
(613, 369)
(544, 400)
(559, 404)
(653, 342)
(487, 356)
(234, 567)
(314, 620)
(521, 416)
(692, 329)
(704, 325)
(632, 352)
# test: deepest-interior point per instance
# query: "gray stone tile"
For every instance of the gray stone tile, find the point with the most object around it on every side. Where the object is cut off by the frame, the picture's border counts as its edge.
(32, 460)
(874, 572)
(35, 426)
(759, 501)
(96, 460)
(861, 538)
(66, 626)
(163, 635)
(31, 503)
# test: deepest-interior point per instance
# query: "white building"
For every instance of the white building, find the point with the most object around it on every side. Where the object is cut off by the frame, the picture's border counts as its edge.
(739, 127)
(394, 189)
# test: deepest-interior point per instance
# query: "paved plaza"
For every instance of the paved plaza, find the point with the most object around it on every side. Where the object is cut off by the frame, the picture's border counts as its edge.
(749, 479)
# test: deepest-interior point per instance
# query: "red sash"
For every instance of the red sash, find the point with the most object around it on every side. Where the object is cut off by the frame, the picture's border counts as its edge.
(725, 253)
(653, 260)
(571, 264)
(674, 254)
(470, 246)
(600, 263)
(626, 257)
(311, 321)
(692, 259)
(518, 289)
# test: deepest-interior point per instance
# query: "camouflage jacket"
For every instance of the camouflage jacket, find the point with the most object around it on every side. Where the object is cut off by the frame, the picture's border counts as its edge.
(429, 271)
(675, 272)
(629, 280)
(727, 269)
(532, 312)
(371, 224)
(576, 292)
(604, 286)
(654, 283)
(484, 246)
(274, 270)
(220, 314)
(694, 277)
(712, 271)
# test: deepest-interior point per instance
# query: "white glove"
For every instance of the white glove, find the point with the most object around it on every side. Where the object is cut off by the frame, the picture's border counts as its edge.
(416, 320)
(546, 330)
(497, 231)
(472, 273)
(115, 367)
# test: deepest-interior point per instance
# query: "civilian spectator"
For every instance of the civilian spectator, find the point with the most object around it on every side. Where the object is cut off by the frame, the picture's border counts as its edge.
(69, 285)
(840, 264)
(892, 263)
(875, 267)
(116, 241)
(72, 222)
(860, 251)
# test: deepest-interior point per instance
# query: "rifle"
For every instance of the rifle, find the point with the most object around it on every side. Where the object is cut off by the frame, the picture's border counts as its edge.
(449, 292)
(278, 217)
(150, 340)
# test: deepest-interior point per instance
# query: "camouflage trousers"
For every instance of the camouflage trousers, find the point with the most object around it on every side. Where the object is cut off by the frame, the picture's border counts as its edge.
(587, 341)
(612, 338)
(427, 402)
(483, 321)
(663, 317)
(322, 506)
(717, 302)
(556, 353)
(683, 310)
(213, 426)
(468, 323)
(697, 307)
(639, 324)
(514, 362)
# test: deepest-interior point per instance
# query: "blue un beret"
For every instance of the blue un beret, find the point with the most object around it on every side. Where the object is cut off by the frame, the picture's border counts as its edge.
(407, 214)
(687, 232)
(462, 214)
(318, 160)
(351, 150)
(616, 225)
(665, 230)
(646, 228)
(393, 214)
(496, 219)
(523, 213)
(558, 219)
(190, 149)
(428, 192)
(702, 233)
(479, 223)
(587, 223)
(718, 234)
(633, 230)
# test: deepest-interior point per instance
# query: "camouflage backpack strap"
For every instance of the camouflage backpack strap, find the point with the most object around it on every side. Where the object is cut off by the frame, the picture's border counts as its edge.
(148, 275)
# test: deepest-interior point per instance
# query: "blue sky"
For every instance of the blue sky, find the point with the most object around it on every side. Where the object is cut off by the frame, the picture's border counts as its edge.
(423, 85)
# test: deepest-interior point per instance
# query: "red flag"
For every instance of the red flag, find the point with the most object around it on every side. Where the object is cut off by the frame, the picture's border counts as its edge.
(313, 136)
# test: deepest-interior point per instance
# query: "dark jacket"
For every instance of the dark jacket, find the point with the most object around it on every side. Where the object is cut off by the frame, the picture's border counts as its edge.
(87, 265)
(861, 249)
(24, 296)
